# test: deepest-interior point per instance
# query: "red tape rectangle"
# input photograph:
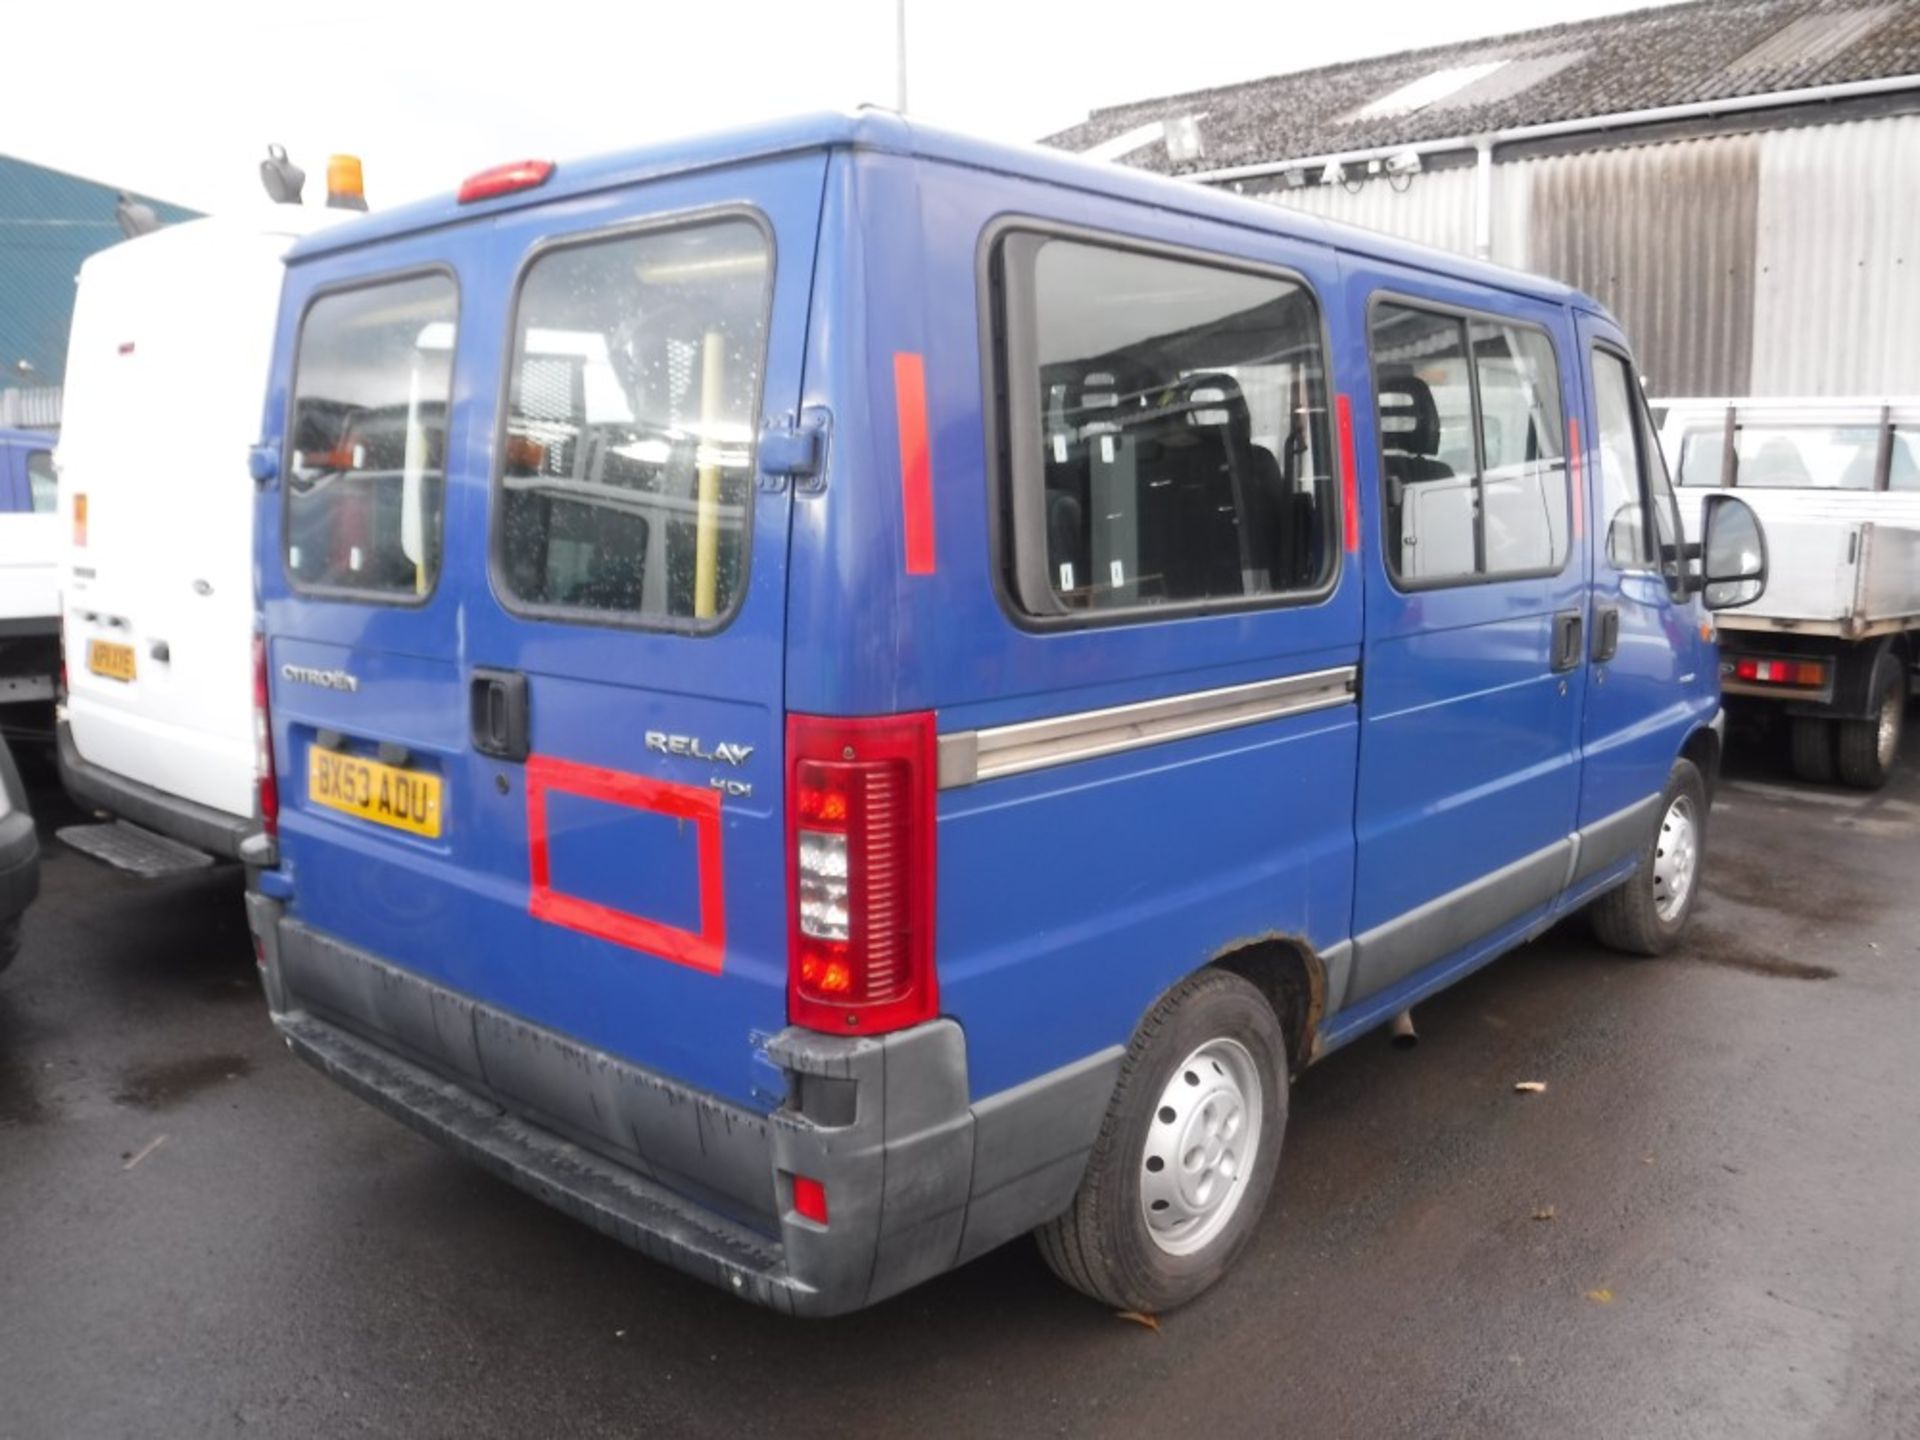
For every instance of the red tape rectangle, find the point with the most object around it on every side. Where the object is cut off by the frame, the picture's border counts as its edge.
(705, 950)
(1579, 490)
(916, 467)
(1349, 482)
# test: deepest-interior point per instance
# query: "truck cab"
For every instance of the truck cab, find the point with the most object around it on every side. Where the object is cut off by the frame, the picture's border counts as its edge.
(834, 695)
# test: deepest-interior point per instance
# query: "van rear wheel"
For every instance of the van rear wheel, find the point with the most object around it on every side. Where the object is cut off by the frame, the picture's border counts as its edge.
(1868, 749)
(1646, 915)
(1186, 1156)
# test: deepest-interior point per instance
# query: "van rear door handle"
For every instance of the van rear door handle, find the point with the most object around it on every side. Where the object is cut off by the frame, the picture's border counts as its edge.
(1566, 640)
(497, 708)
(1606, 633)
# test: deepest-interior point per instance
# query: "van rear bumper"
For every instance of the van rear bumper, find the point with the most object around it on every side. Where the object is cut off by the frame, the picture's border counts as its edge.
(216, 832)
(917, 1177)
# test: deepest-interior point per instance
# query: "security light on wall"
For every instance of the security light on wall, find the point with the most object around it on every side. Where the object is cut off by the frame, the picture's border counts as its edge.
(1294, 179)
(1334, 174)
(1407, 162)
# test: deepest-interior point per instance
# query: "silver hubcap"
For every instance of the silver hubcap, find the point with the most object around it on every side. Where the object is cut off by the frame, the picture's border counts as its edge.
(1676, 856)
(1201, 1147)
(1890, 725)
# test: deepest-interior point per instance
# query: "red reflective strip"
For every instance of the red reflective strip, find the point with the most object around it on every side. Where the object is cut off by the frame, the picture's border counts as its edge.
(1349, 484)
(916, 470)
(705, 950)
(1579, 489)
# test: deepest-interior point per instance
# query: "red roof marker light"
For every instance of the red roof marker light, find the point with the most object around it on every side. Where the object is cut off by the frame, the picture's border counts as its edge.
(505, 179)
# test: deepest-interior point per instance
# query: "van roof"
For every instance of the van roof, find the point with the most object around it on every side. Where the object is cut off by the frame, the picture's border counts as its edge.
(156, 246)
(885, 130)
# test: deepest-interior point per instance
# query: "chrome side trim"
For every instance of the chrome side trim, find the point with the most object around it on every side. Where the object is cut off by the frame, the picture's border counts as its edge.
(970, 755)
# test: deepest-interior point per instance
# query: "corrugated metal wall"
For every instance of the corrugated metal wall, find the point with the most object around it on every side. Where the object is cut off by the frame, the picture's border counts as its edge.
(1837, 304)
(1663, 236)
(1434, 209)
(1785, 262)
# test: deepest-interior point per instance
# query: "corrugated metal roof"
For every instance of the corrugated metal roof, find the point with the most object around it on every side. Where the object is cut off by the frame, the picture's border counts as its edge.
(49, 223)
(1675, 55)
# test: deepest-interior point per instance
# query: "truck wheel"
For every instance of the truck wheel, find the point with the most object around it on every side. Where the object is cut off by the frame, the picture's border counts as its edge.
(1645, 915)
(1186, 1155)
(1813, 750)
(1868, 748)
(9, 941)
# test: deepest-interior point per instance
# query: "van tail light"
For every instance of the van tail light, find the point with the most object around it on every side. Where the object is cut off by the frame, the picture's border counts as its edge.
(80, 521)
(267, 782)
(860, 825)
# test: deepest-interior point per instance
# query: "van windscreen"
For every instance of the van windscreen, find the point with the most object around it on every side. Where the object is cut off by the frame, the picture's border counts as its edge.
(366, 482)
(626, 469)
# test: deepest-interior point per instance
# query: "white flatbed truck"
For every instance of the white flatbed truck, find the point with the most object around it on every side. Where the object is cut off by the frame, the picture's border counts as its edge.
(1833, 645)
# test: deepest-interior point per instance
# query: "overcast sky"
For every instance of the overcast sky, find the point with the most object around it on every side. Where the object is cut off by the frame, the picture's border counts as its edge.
(178, 98)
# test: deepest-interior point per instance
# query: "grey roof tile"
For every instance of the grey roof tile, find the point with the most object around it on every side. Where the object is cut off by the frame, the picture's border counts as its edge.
(1644, 59)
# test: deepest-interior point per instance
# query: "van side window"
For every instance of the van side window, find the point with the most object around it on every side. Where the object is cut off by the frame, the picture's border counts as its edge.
(42, 488)
(1470, 440)
(1166, 430)
(1622, 488)
(626, 469)
(366, 486)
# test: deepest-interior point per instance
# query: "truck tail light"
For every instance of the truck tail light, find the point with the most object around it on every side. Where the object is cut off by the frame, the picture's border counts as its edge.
(860, 824)
(1782, 672)
(268, 785)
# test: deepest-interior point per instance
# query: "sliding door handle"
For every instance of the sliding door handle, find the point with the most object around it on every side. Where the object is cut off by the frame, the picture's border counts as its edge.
(1566, 640)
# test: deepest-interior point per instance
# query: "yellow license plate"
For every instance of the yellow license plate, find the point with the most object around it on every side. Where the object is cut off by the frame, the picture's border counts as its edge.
(111, 660)
(385, 794)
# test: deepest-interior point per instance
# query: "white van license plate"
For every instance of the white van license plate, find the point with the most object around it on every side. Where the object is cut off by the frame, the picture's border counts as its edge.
(113, 661)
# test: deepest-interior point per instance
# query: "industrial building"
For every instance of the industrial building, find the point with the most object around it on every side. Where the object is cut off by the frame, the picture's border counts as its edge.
(1738, 180)
(49, 222)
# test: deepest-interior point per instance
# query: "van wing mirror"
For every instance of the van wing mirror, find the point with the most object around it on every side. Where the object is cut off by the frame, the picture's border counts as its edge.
(1733, 553)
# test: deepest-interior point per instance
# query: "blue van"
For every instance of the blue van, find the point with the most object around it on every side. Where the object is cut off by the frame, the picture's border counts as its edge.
(835, 695)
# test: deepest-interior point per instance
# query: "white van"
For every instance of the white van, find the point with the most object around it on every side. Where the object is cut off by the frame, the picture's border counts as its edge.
(166, 375)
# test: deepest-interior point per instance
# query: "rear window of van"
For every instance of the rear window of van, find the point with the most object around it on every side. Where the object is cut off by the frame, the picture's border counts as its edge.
(366, 483)
(626, 468)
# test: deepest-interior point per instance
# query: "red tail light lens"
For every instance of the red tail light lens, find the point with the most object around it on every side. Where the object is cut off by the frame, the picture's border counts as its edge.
(860, 825)
(267, 783)
(1782, 672)
(810, 1199)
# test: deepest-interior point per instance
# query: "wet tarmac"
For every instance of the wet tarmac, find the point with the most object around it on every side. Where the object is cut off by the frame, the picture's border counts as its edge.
(1708, 1224)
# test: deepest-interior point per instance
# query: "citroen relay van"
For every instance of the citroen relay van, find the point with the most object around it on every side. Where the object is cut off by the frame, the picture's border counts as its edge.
(836, 695)
(167, 364)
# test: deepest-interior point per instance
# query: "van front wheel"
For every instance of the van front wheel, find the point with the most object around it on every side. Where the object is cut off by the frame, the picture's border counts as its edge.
(1646, 915)
(1186, 1156)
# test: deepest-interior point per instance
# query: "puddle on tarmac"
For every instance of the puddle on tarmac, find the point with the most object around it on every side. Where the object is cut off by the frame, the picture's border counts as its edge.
(158, 1087)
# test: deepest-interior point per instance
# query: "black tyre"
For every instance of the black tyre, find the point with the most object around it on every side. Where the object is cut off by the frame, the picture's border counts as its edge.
(9, 941)
(1186, 1156)
(1868, 749)
(1813, 750)
(1646, 915)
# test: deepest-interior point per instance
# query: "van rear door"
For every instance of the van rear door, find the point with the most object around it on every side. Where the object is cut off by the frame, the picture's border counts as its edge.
(550, 778)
